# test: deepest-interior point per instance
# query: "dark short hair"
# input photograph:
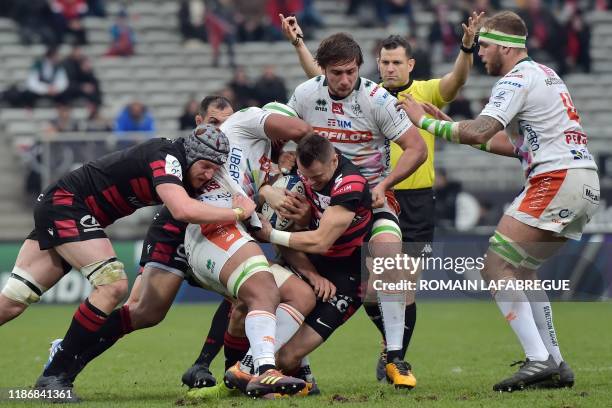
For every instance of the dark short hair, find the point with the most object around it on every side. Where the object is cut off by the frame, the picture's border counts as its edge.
(395, 41)
(217, 101)
(314, 147)
(339, 48)
(507, 22)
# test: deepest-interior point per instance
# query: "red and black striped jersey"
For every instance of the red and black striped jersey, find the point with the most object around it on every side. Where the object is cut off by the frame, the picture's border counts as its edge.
(349, 189)
(119, 183)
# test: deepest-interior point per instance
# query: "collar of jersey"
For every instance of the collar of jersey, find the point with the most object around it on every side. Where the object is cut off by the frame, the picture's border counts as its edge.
(336, 98)
(523, 60)
(397, 91)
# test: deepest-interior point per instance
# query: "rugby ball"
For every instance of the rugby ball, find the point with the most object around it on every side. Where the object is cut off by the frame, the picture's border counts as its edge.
(292, 183)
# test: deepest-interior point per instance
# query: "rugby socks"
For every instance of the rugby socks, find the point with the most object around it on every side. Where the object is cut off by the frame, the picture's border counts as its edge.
(392, 307)
(410, 316)
(82, 333)
(373, 311)
(288, 321)
(215, 338)
(234, 349)
(515, 307)
(116, 326)
(542, 314)
(260, 328)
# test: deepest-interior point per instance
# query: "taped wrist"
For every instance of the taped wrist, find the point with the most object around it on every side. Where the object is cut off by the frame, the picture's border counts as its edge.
(444, 129)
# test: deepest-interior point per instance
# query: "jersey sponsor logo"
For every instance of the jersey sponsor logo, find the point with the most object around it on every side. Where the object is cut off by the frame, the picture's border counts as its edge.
(397, 117)
(356, 109)
(532, 136)
(553, 81)
(173, 166)
(590, 194)
(89, 224)
(376, 88)
(322, 201)
(321, 105)
(211, 185)
(581, 154)
(234, 163)
(40, 197)
(265, 163)
(345, 136)
(502, 98)
(511, 83)
(337, 108)
(50, 231)
(513, 75)
(344, 124)
(575, 137)
(381, 99)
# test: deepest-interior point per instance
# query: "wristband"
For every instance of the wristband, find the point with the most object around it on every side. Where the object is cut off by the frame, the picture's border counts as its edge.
(446, 130)
(279, 237)
(297, 40)
(485, 147)
(468, 50)
(238, 212)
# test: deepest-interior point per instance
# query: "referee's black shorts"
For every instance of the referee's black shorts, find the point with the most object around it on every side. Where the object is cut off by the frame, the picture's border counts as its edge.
(417, 216)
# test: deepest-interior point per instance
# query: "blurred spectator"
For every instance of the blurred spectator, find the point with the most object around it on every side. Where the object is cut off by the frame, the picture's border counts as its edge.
(578, 39)
(135, 117)
(422, 60)
(369, 13)
(444, 33)
(221, 28)
(460, 108)
(244, 94)
(82, 81)
(446, 199)
(187, 119)
(61, 155)
(123, 39)
(270, 87)
(191, 19)
(271, 24)
(63, 122)
(97, 8)
(33, 18)
(95, 121)
(67, 16)
(544, 32)
(252, 20)
(310, 17)
(47, 79)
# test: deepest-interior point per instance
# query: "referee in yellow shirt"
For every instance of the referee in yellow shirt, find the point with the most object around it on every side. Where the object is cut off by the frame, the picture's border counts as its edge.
(415, 194)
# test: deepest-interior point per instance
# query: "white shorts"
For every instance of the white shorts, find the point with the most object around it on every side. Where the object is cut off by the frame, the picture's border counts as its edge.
(208, 248)
(562, 201)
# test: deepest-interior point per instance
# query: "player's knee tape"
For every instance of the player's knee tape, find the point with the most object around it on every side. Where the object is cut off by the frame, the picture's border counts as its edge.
(104, 272)
(280, 274)
(244, 271)
(511, 252)
(385, 226)
(22, 287)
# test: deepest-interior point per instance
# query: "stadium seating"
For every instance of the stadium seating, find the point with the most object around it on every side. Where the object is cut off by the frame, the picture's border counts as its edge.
(164, 74)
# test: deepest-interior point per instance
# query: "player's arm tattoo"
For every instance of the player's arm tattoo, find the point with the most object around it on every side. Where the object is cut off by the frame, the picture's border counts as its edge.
(479, 130)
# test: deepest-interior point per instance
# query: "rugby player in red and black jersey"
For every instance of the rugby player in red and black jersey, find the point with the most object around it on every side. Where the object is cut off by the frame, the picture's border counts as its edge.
(70, 216)
(340, 221)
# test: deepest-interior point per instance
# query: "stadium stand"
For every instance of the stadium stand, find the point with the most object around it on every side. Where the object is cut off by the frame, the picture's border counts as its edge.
(165, 73)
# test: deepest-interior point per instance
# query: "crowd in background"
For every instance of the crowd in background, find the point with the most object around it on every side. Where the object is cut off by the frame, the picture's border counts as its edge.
(559, 32)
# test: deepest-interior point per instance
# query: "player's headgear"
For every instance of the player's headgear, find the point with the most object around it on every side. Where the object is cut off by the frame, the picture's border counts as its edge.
(206, 142)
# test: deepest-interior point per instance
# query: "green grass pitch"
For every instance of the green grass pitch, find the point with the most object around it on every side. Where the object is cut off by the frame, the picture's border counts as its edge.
(458, 351)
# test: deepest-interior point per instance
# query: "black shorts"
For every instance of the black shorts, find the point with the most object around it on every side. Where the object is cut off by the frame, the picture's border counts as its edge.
(417, 216)
(61, 216)
(345, 274)
(163, 246)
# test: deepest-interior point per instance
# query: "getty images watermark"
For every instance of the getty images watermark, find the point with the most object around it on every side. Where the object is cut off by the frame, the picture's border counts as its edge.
(458, 268)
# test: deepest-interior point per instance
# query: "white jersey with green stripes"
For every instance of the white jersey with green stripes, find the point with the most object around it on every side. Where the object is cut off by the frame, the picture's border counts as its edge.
(535, 104)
